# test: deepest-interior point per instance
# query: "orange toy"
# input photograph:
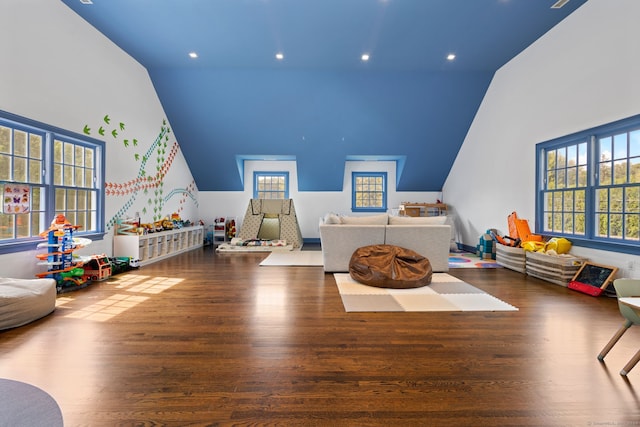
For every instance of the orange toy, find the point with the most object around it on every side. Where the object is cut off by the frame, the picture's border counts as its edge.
(519, 229)
(58, 224)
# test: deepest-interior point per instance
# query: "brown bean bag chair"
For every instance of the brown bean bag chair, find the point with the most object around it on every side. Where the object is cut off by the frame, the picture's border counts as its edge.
(389, 266)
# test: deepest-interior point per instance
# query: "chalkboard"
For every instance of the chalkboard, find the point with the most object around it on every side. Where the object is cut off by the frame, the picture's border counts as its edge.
(595, 275)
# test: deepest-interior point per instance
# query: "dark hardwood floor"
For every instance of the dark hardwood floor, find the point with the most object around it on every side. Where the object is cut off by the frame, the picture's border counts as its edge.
(215, 339)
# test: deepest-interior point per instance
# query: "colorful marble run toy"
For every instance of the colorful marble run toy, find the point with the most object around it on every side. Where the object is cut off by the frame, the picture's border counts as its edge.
(60, 246)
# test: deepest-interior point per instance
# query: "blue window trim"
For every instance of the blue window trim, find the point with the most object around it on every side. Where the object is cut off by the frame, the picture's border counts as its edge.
(50, 133)
(382, 175)
(258, 174)
(590, 136)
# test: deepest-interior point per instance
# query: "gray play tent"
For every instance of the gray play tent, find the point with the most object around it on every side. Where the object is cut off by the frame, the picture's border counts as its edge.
(270, 219)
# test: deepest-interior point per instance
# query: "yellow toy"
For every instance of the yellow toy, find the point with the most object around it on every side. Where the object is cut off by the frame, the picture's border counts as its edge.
(533, 246)
(555, 246)
(558, 244)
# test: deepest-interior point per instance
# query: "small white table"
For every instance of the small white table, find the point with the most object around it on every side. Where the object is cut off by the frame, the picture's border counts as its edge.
(633, 302)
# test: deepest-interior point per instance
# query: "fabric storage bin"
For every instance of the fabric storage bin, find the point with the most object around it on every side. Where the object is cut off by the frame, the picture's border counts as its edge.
(511, 257)
(558, 269)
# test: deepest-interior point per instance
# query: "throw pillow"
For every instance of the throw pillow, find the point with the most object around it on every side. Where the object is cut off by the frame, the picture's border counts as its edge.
(331, 218)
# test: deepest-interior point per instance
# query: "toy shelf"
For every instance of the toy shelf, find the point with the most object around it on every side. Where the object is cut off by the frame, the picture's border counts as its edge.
(219, 232)
(422, 209)
(154, 247)
(224, 229)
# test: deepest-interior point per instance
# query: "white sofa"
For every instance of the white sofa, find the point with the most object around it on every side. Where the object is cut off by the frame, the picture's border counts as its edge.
(340, 236)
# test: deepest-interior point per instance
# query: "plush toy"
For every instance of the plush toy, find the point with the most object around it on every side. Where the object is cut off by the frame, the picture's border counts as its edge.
(231, 228)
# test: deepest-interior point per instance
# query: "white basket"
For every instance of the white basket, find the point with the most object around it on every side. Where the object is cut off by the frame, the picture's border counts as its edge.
(510, 257)
(558, 269)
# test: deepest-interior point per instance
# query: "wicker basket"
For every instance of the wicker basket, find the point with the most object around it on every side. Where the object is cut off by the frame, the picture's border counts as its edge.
(510, 257)
(555, 269)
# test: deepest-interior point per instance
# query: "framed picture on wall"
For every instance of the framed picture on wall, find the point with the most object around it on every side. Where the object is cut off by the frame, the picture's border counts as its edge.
(16, 198)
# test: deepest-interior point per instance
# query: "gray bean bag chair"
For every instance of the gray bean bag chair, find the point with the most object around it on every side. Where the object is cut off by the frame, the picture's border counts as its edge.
(25, 300)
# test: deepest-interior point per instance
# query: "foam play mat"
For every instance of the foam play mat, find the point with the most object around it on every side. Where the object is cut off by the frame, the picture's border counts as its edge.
(470, 260)
(446, 293)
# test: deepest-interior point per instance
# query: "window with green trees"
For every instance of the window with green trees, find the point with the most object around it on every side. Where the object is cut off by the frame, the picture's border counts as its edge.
(59, 172)
(271, 185)
(369, 193)
(588, 185)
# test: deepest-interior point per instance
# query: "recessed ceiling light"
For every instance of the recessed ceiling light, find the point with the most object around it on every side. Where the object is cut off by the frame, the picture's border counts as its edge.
(193, 55)
(86, 2)
(451, 57)
(559, 4)
(279, 56)
(365, 57)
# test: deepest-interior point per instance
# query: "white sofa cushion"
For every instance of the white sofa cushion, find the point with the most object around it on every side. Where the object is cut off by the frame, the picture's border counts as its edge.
(382, 219)
(414, 220)
(340, 241)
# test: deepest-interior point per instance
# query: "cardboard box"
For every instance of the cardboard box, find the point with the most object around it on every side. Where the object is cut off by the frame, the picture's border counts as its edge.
(412, 211)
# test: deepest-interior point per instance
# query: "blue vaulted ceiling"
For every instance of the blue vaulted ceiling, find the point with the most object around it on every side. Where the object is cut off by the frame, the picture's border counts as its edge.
(321, 104)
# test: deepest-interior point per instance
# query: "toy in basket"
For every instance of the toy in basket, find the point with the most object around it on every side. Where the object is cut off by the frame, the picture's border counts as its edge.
(519, 228)
(528, 253)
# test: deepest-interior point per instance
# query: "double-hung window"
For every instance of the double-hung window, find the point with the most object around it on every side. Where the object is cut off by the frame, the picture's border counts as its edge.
(369, 191)
(589, 186)
(271, 185)
(46, 171)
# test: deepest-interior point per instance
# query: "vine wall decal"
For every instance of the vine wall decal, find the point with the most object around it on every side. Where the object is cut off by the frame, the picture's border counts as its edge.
(145, 183)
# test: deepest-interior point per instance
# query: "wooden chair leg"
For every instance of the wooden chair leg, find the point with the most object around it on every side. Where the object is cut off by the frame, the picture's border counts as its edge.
(629, 366)
(614, 340)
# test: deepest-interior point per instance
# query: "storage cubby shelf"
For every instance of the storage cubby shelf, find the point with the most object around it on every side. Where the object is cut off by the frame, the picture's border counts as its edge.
(154, 247)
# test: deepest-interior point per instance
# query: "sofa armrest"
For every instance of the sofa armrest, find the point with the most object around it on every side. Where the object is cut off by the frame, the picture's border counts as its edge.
(339, 241)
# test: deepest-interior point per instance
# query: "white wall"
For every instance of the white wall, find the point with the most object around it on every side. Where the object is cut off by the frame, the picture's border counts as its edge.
(583, 73)
(310, 206)
(59, 70)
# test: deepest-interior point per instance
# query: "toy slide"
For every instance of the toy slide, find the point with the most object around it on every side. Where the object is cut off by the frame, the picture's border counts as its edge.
(64, 270)
(78, 242)
(48, 245)
(126, 229)
(60, 245)
(48, 254)
(81, 242)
